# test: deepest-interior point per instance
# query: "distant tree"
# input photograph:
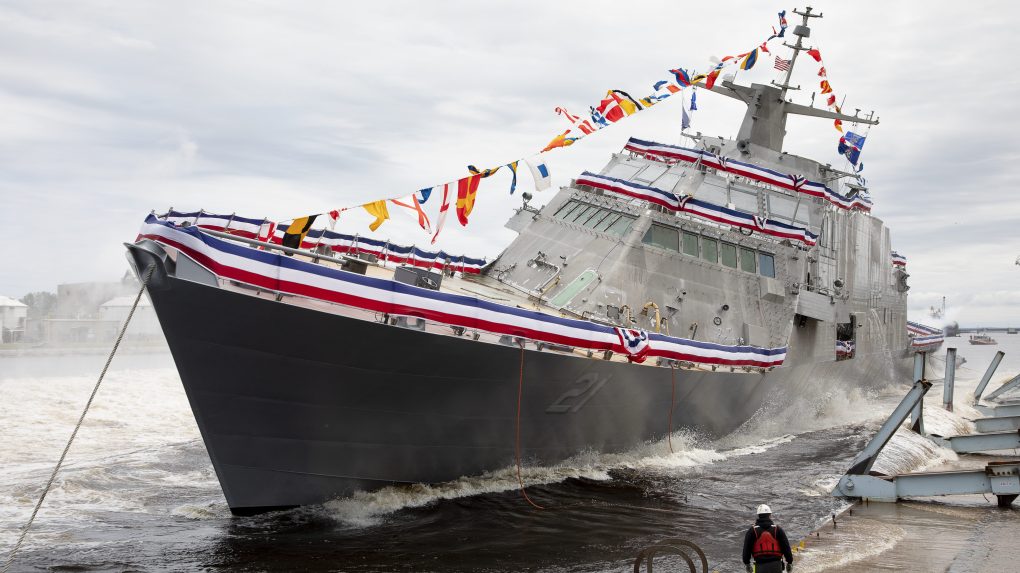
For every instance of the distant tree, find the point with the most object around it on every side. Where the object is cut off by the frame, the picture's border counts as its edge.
(39, 303)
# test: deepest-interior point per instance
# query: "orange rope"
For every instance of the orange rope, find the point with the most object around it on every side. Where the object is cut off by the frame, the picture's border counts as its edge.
(517, 444)
(672, 398)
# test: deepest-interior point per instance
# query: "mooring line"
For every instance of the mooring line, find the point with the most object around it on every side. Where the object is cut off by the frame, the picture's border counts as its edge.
(517, 441)
(672, 402)
(60, 462)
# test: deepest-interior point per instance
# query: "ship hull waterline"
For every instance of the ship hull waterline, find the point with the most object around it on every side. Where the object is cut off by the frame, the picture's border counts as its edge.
(298, 406)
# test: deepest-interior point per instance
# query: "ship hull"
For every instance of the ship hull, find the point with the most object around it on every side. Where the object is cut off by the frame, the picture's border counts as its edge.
(298, 406)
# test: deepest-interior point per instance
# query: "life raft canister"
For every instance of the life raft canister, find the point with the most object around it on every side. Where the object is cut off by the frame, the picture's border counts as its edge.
(765, 543)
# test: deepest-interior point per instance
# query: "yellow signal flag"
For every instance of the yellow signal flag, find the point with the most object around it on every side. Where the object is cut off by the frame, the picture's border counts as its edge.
(378, 210)
(295, 233)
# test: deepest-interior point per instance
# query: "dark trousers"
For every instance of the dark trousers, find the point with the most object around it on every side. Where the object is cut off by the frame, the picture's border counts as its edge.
(770, 567)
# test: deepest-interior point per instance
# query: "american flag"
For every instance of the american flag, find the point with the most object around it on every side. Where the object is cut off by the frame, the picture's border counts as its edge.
(781, 64)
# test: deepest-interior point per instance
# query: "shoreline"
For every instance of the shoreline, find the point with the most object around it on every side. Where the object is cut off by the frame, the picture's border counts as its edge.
(21, 351)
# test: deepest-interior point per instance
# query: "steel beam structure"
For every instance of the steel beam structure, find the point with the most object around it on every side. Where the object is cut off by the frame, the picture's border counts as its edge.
(1006, 387)
(988, 374)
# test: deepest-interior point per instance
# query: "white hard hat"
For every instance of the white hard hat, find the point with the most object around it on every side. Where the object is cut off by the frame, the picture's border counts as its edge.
(764, 509)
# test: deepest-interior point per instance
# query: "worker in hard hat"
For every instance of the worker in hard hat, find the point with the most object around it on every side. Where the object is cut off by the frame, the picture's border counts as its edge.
(767, 543)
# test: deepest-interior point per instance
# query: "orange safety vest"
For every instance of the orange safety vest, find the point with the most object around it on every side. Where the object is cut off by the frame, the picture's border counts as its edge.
(766, 542)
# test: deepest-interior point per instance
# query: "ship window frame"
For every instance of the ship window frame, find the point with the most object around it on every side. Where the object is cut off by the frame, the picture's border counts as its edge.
(620, 232)
(744, 259)
(587, 211)
(723, 247)
(741, 198)
(715, 249)
(602, 229)
(684, 243)
(585, 217)
(663, 239)
(563, 212)
(597, 218)
(762, 256)
(782, 206)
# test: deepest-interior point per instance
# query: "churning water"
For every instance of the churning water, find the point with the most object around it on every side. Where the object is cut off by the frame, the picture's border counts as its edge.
(138, 492)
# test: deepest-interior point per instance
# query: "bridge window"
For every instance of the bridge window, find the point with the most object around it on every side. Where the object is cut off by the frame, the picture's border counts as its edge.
(663, 237)
(710, 249)
(605, 223)
(597, 218)
(766, 265)
(747, 257)
(566, 209)
(746, 202)
(581, 215)
(690, 244)
(782, 206)
(729, 255)
(591, 214)
(621, 225)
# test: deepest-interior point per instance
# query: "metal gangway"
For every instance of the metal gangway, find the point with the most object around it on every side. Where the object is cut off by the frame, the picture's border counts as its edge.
(1001, 478)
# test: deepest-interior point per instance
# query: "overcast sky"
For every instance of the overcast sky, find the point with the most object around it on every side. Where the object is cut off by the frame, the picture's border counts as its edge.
(278, 109)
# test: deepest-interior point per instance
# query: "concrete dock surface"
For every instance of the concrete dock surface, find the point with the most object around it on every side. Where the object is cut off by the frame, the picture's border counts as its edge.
(967, 534)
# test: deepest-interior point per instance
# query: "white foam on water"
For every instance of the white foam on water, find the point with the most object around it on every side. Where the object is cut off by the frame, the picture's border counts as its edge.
(908, 451)
(821, 487)
(212, 509)
(366, 509)
(806, 412)
(122, 457)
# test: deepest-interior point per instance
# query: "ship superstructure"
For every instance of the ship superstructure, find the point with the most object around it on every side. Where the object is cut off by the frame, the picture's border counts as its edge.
(609, 257)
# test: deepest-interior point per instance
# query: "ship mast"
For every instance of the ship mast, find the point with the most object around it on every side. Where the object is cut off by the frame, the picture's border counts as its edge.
(802, 31)
(764, 122)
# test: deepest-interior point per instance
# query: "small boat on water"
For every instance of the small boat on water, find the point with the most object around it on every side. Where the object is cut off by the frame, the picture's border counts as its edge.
(982, 339)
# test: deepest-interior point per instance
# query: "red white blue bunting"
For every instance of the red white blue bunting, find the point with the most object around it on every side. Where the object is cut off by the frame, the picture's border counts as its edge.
(290, 275)
(666, 199)
(796, 183)
(699, 208)
(337, 242)
(921, 335)
(845, 348)
(899, 260)
(241, 226)
(634, 342)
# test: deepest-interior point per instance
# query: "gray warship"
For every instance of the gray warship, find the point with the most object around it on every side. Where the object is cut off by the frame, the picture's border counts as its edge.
(302, 396)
